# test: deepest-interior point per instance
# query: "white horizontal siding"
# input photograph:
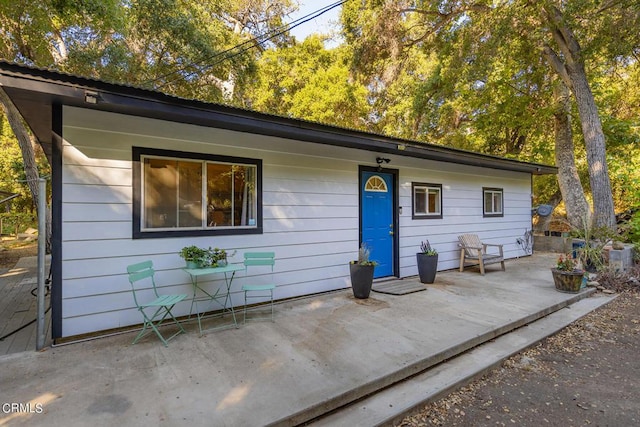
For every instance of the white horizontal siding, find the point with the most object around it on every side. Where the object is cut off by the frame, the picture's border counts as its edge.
(310, 214)
(318, 211)
(100, 212)
(310, 198)
(92, 193)
(96, 231)
(74, 153)
(77, 325)
(462, 209)
(110, 296)
(294, 225)
(90, 268)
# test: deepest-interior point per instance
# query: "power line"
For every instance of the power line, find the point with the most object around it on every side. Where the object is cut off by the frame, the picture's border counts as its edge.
(251, 42)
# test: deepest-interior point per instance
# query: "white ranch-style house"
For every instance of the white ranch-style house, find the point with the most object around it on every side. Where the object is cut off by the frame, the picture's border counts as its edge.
(138, 174)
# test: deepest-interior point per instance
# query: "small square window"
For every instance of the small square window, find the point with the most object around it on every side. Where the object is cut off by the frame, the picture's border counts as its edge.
(492, 205)
(427, 200)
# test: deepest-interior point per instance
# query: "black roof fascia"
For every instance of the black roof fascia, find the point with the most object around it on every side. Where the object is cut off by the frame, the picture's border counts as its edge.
(34, 90)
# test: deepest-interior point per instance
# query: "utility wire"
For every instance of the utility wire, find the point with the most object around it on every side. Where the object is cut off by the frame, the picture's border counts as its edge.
(14, 181)
(251, 44)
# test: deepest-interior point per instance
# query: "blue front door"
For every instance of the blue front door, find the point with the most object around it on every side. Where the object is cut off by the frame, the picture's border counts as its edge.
(377, 219)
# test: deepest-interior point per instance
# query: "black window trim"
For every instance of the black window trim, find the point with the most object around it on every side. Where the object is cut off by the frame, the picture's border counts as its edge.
(413, 200)
(137, 233)
(484, 206)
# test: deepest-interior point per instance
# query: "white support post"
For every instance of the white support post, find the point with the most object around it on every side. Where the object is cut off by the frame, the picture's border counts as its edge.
(42, 237)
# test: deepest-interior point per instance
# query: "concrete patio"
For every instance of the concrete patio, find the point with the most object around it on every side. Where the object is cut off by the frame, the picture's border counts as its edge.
(18, 305)
(321, 353)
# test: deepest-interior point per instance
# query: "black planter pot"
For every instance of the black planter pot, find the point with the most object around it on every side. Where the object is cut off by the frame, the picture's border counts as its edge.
(427, 267)
(361, 280)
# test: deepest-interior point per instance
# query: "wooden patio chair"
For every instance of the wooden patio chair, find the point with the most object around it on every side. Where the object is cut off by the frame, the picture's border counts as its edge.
(260, 291)
(160, 306)
(474, 252)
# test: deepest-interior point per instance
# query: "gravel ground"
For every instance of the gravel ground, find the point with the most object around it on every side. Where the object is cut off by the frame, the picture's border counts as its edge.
(588, 374)
(11, 251)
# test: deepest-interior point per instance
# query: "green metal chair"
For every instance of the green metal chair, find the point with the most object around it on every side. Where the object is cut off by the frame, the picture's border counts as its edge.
(260, 291)
(160, 306)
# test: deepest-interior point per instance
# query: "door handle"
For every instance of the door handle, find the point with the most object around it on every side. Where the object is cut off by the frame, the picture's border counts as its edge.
(391, 233)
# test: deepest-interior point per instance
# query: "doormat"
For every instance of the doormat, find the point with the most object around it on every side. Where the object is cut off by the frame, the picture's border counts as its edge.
(399, 287)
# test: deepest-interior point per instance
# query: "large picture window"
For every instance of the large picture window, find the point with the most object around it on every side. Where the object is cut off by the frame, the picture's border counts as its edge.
(492, 202)
(190, 194)
(427, 200)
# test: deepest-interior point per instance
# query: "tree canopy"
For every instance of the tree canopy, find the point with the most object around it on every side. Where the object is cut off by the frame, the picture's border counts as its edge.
(476, 75)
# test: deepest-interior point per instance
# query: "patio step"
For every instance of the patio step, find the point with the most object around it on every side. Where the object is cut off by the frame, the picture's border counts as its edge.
(390, 405)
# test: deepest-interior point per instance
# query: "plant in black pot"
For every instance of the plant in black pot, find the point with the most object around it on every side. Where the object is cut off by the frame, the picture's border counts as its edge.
(427, 260)
(589, 243)
(361, 272)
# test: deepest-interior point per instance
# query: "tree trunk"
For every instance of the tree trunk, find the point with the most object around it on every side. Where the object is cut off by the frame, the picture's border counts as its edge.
(578, 212)
(603, 208)
(571, 69)
(26, 143)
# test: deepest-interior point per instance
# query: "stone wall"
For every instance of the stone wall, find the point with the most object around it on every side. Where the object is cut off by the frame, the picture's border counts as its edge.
(621, 259)
(557, 244)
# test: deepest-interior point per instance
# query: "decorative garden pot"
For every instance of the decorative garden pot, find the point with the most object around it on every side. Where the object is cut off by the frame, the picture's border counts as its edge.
(192, 264)
(361, 280)
(427, 267)
(567, 281)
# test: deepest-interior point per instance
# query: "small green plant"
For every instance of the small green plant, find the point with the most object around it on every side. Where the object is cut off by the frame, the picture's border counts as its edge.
(193, 253)
(363, 256)
(16, 222)
(205, 257)
(218, 257)
(590, 254)
(566, 263)
(425, 248)
(631, 228)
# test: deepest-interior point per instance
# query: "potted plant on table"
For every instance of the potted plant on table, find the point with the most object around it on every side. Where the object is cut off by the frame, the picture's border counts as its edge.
(567, 276)
(361, 272)
(194, 256)
(218, 257)
(427, 260)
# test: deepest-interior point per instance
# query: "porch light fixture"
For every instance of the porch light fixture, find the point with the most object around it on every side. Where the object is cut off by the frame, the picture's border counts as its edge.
(91, 97)
(380, 161)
